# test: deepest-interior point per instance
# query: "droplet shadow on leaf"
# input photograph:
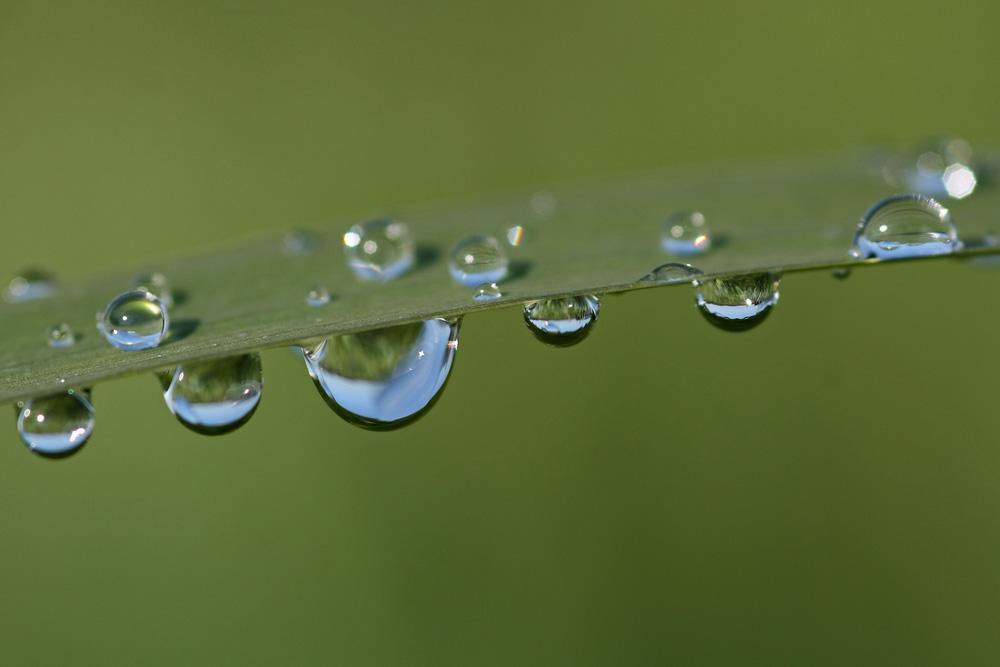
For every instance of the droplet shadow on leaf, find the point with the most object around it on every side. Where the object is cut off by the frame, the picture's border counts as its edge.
(180, 329)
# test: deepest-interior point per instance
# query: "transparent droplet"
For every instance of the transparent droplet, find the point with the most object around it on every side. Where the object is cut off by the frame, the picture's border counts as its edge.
(487, 292)
(903, 226)
(515, 236)
(318, 296)
(674, 272)
(477, 260)
(685, 233)
(938, 169)
(300, 242)
(157, 285)
(379, 250)
(61, 335)
(214, 397)
(737, 303)
(29, 285)
(57, 425)
(134, 321)
(385, 378)
(562, 322)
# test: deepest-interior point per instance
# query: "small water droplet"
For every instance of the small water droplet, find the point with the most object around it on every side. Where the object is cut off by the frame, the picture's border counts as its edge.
(674, 272)
(903, 226)
(379, 250)
(157, 285)
(385, 378)
(487, 292)
(477, 260)
(318, 296)
(300, 242)
(562, 322)
(29, 285)
(515, 236)
(56, 425)
(737, 303)
(841, 272)
(61, 335)
(214, 397)
(685, 233)
(134, 321)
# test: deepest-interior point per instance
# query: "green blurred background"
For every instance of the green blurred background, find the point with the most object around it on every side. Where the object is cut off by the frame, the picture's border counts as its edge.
(821, 490)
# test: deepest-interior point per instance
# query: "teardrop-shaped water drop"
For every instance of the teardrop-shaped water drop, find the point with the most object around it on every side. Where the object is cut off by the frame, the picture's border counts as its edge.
(737, 303)
(134, 321)
(674, 272)
(685, 233)
(562, 322)
(487, 292)
(214, 397)
(385, 378)
(379, 250)
(157, 285)
(61, 335)
(318, 296)
(905, 226)
(478, 259)
(29, 285)
(58, 425)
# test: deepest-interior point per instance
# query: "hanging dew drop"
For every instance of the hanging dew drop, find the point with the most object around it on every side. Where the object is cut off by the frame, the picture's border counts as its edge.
(487, 292)
(214, 397)
(737, 303)
(379, 250)
(477, 260)
(58, 425)
(385, 378)
(562, 322)
(318, 296)
(157, 285)
(905, 226)
(134, 321)
(60, 335)
(29, 285)
(685, 233)
(674, 272)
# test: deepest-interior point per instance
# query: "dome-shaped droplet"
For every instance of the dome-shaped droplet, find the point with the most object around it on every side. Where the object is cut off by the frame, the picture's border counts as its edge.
(214, 397)
(905, 226)
(477, 260)
(57, 425)
(318, 296)
(61, 335)
(940, 169)
(562, 322)
(29, 285)
(379, 250)
(685, 233)
(134, 321)
(157, 285)
(737, 303)
(385, 378)
(674, 272)
(487, 292)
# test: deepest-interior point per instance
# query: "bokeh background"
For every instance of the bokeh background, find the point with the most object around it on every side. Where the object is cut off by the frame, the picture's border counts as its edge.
(821, 490)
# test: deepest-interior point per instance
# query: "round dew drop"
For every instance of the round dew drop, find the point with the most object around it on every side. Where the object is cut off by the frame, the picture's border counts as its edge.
(562, 322)
(135, 320)
(58, 425)
(214, 397)
(29, 285)
(737, 303)
(379, 250)
(487, 292)
(685, 233)
(478, 260)
(61, 335)
(905, 226)
(318, 296)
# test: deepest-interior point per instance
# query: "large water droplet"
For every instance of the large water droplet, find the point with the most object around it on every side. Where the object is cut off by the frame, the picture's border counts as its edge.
(737, 303)
(134, 321)
(685, 233)
(487, 292)
(385, 378)
(157, 285)
(61, 335)
(318, 296)
(57, 425)
(379, 250)
(903, 226)
(476, 260)
(29, 285)
(562, 322)
(674, 272)
(214, 397)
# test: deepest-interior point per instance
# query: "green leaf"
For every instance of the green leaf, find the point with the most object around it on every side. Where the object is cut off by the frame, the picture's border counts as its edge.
(588, 240)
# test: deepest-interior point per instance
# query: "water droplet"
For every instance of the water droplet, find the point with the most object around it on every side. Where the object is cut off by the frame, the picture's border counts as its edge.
(941, 170)
(300, 242)
(385, 378)
(562, 322)
(214, 397)
(515, 235)
(134, 321)
(379, 250)
(685, 233)
(487, 292)
(905, 226)
(61, 335)
(674, 272)
(841, 272)
(157, 285)
(57, 425)
(29, 285)
(318, 296)
(477, 260)
(737, 303)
